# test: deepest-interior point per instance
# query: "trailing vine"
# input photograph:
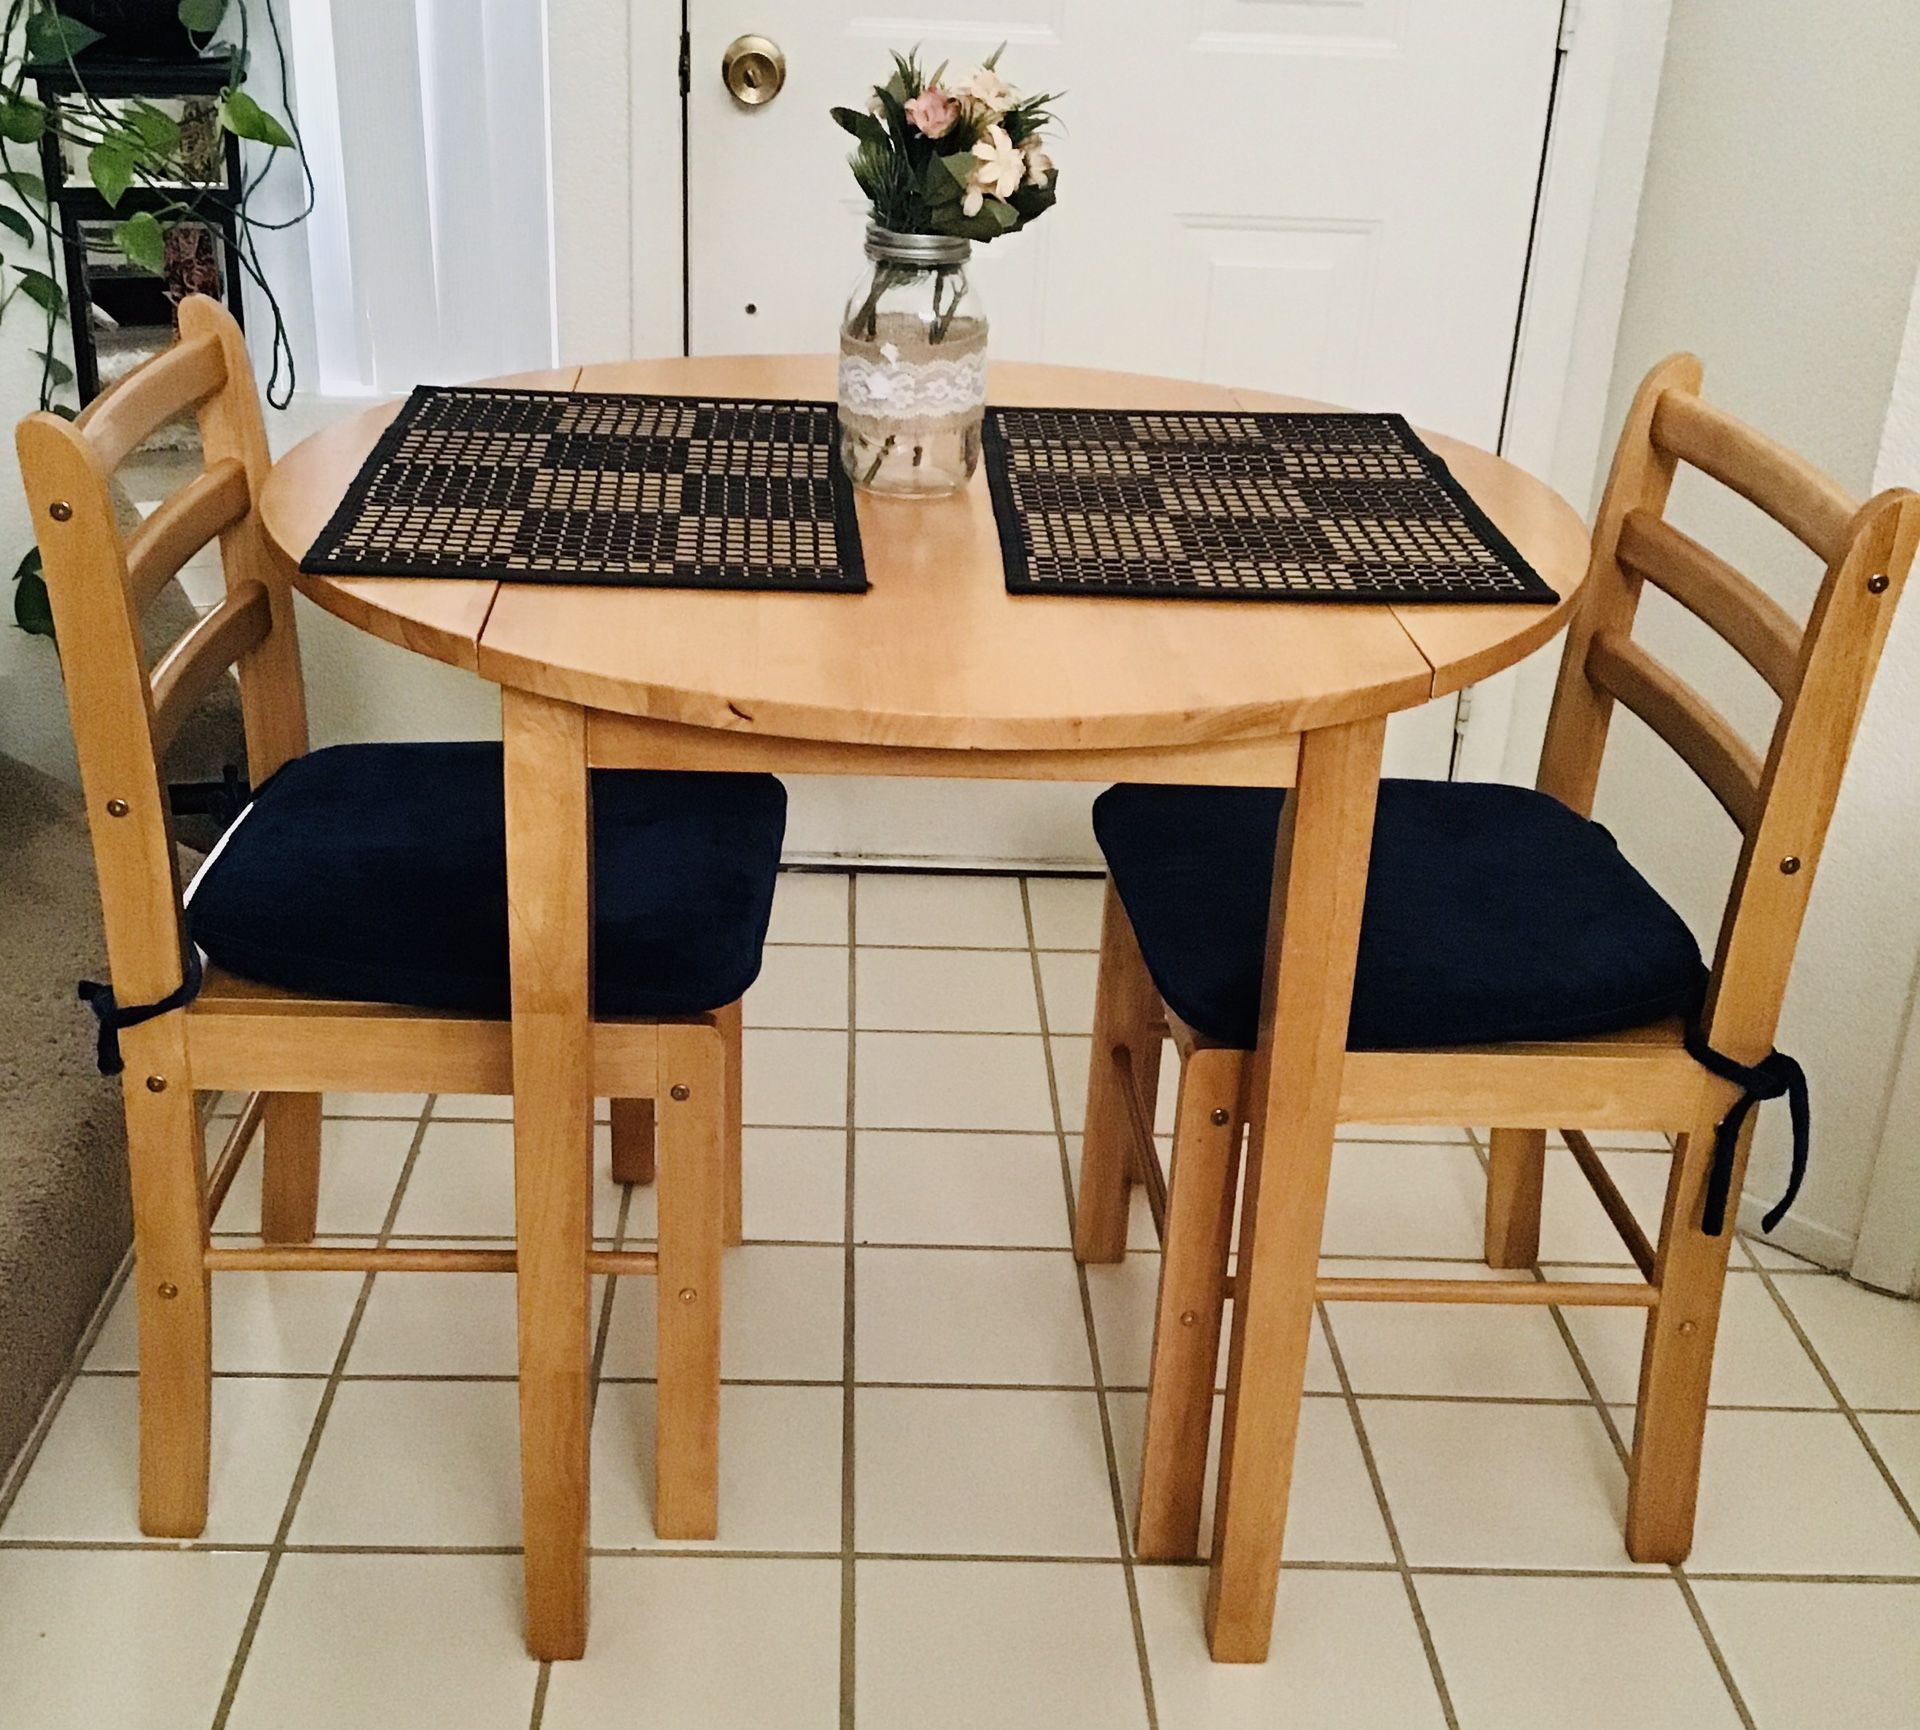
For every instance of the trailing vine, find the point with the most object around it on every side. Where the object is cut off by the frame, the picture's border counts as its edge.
(131, 143)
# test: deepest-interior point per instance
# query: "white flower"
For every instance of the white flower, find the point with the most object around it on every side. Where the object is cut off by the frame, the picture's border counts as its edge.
(988, 91)
(1039, 163)
(999, 170)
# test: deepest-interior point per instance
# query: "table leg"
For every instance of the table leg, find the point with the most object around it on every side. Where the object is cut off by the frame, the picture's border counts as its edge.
(1319, 883)
(549, 897)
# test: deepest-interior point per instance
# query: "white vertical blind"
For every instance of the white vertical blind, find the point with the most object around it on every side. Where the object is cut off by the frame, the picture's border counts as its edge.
(426, 121)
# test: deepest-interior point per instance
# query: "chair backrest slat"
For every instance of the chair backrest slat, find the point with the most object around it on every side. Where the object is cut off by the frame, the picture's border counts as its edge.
(190, 668)
(1729, 601)
(212, 501)
(1681, 716)
(1784, 802)
(176, 379)
(99, 585)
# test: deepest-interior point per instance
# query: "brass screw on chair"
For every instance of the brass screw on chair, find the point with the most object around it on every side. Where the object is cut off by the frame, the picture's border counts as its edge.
(156, 1084)
(116, 807)
(168, 1289)
(1789, 865)
(681, 1092)
(1219, 1117)
(1877, 583)
(60, 511)
(688, 1294)
(1189, 1317)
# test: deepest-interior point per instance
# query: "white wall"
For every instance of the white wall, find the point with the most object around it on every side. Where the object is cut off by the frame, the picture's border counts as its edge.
(1778, 238)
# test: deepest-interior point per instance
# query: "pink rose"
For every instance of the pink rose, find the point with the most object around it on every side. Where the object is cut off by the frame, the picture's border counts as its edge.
(933, 112)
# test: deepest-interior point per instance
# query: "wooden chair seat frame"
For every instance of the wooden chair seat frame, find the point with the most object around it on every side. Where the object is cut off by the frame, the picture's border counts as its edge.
(675, 1085)
(1643, 1079)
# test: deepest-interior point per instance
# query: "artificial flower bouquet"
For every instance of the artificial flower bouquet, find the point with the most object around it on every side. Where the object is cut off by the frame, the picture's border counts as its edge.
(965, 158)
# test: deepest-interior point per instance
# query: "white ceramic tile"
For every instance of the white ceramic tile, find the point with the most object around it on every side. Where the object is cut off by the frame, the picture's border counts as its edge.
(1777, 1260)
(1796, 1493)
(1019, 1646)
(681, 1642)
(1454, 1349)
(1346, 1656)
(368, 1104)
(1069, 983)
(955, 1315)
(1071, 1055)
(951, 912)
(970, 1081)
(779, 1467)
(462, 1183)
(1572, 1654)
(409, 1463)
(1333, 1514)
(448, 1639)
(809, 907)
(931, 1187)
(793, 1184)
(444, 1324)
(1870, 1343)
(266, 1323)
(1124, 1295)
(1495, 1486)
(496, 1106)
(946, 991)
(780, 1316)
(1140, 1231)
(799, 987)
(797, 1080)
(85, 1482)
(135, 1640)
(1807, 1655)
(981, 1471)
(1401, 1199)
(1573, 1226)
(1757, 1361)
(1066, 911)
(1897, 1436)
(360, 1163)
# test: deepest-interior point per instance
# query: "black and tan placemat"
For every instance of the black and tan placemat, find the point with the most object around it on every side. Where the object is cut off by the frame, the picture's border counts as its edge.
(593, 487)
(1239, 506)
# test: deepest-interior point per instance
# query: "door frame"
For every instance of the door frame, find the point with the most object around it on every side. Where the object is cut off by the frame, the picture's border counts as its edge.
(618, 169)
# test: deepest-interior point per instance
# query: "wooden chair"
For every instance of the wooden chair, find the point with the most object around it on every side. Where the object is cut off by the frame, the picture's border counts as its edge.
(285, 1046)
(1642, 1076)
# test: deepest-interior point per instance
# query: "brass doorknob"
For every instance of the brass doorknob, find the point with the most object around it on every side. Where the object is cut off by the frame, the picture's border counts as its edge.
(754, 70)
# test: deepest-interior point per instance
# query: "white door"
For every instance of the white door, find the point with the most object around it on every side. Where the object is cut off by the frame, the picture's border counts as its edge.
(1331, 198)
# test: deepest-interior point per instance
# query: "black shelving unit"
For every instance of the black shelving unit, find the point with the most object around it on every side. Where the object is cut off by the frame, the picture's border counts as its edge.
(80, 206)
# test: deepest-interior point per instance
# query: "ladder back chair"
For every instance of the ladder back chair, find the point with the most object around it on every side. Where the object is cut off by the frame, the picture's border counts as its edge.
(354, 920)
(1514, 970)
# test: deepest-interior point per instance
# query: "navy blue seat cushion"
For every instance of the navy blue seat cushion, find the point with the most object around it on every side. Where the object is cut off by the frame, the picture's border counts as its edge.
(1493, 913)
(378, 872)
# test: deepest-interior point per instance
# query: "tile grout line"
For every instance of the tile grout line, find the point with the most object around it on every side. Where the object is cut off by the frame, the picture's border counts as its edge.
(250, 1629)
(1368, 1458)
(849, 1383)
(1624, 1453)
(1118, 1494)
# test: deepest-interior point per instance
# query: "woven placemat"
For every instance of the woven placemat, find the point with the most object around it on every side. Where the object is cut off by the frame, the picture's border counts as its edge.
(592, 487)
(1239, 506)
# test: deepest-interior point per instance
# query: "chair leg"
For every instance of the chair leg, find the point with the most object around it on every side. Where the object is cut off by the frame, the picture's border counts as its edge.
(1192, 1304)
(632, 1140)
(692, 1153)
(167, 1162)
(1516, 1175)
(728, 1020)
(290, 1170)
(1676, 1363)
(1126, 1014)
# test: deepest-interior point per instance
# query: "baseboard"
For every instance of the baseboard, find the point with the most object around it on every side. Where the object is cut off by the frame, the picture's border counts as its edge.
(1799, 1236)
(943, 865)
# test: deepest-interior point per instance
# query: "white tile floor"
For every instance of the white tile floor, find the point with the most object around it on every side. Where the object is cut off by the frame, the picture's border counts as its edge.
(923, 1513)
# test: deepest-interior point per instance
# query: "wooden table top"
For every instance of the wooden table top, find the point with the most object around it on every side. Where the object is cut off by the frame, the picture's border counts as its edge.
(937, 654)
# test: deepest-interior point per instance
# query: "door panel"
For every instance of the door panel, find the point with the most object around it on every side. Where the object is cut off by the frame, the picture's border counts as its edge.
(1325, 197)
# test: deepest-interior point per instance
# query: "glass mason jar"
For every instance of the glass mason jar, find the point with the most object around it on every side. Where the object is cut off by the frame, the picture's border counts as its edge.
(913, 367)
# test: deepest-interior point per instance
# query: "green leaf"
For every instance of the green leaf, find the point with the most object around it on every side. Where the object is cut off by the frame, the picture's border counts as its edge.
(30, 186)
(938, 183)
(66, 411)
(245, 118)
(111, 165)
(56, 368)
(32, 610)
(862, 125)
(54, 37)
(43, 291)
(158, 132)
(141, 240)
(202, 17)
(12, 219)
(22, 120)
(960, 165)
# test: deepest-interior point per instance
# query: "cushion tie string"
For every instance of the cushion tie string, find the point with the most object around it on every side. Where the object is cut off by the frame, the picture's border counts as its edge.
(1775, 1076)
(112, 1017)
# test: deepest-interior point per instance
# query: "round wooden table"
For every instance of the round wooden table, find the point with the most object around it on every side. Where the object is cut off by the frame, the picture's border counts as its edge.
(936, 671)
